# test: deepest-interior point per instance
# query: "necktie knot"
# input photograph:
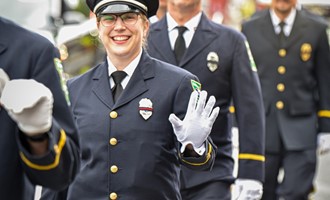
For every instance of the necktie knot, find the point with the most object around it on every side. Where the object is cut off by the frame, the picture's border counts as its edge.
(117, 76)
(180, 44)
(181, 29)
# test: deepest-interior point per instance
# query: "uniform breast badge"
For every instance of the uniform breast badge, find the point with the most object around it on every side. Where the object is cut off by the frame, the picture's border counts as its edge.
(145, 108)
(212, 61)
(305, 52)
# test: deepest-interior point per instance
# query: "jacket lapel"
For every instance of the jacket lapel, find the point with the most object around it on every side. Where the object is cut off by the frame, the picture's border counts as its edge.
(267, 29)
(160, 41)
(297, 30)
(137, 84)
(101, 85)
(203, 36)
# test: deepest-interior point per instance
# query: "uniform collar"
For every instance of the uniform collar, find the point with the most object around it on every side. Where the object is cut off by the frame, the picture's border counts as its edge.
(190, 25)
(129, 69)
(289, 20)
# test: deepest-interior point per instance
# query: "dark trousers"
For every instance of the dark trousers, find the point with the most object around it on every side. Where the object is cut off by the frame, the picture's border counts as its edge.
(299, 170)
(208, 191)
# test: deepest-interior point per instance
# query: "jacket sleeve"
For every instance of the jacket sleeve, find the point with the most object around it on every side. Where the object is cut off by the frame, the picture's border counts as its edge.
(249, 111)
(206, 161)
(58, 167)
(322, 63)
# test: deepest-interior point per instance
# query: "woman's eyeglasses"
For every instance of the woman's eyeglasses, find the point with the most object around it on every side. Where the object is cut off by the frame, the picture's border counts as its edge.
(110, 19)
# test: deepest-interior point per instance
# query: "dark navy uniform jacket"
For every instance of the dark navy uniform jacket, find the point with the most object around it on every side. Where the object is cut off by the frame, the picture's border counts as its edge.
(26, 55)
(228, 77)
(123, 155)
(295, 79)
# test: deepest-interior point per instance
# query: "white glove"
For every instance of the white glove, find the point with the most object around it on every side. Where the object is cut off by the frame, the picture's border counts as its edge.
(3, 80)
(29, 104)
(323, 140)
(198, 122)
(247, 189)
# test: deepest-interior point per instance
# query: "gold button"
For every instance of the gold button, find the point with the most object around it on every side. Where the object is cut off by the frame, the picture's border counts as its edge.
(282, 52)
(113, 114)
(231, 109)
(281, 70)
(280, 87)
(113, 196)
(114, 169)
(280, 105)
(113, 141)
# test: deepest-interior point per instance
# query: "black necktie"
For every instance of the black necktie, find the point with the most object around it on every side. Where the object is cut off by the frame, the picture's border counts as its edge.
(281, 35)
(180, 44)
(117, 76)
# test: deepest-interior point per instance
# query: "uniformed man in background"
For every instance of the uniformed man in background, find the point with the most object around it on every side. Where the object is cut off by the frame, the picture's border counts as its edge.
(38, 138)
(219, 57)
(132, 116)
(291, 51)
(160, 11)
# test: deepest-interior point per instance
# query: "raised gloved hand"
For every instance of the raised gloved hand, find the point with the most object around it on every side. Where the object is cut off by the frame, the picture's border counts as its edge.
(247, 189)
(198, 122)
(29, 104)
(3, 80)
(323, 140)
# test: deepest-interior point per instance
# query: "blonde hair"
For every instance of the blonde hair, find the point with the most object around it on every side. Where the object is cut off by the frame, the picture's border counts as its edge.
(144, 39)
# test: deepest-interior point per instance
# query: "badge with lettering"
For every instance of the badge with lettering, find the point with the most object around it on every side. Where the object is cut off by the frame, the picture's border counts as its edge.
(252, 63)
(305, 52)
(145, 108)
(60, 70)
(212, 61)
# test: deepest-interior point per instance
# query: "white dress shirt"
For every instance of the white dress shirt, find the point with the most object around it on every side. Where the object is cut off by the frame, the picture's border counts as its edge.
(191, 26)
(288, 22)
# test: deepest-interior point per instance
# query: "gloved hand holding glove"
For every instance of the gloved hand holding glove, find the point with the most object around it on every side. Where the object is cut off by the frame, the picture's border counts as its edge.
(323, 140)
(247, 189)
(29, 104)
(198, 122)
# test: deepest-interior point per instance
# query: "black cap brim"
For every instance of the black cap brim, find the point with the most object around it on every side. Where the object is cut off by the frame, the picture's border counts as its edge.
(147, 7)
(119, 8)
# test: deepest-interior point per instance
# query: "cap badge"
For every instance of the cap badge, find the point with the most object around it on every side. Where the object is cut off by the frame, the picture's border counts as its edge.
(212, 61)
(145, 108)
